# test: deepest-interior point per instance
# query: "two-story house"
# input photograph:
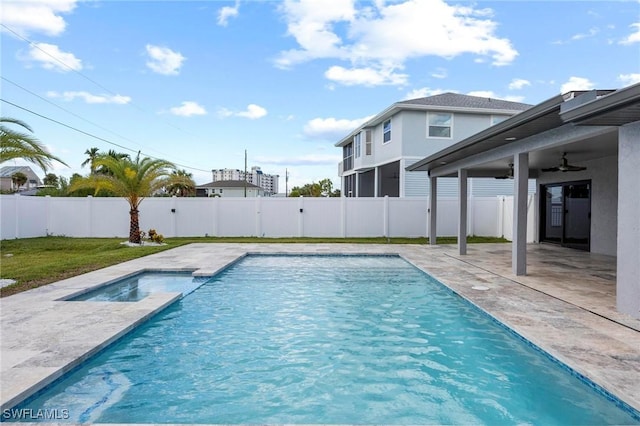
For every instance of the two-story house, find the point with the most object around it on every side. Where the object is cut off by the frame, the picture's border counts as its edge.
(376, 154)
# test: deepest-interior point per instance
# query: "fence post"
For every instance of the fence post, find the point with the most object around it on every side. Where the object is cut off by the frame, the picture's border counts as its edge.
(471, 215)
(174, 216)
(257, 205)
(47, 213)
(215, 216)
(500, 217)
(385, 217)
(301, 217)
(343, 216)
(90, 216)
(17, 215)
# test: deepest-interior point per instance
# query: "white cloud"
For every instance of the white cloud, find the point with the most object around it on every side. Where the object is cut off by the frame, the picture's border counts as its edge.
(41, 16)
(592, 32)
(518, 83)
(380, 37)
(629, 79)
(227, 12)
(439, 73)
(52, 58)
(634, 37)
(425, 92)
(576, 83)
(365, 76)
(187, 109)
(493, 95)
(164, 60)
(303, 160)
(90, 98)
(252, 112)
(332, 128)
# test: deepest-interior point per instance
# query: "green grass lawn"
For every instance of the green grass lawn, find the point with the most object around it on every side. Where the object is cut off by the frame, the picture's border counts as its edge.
(34, 262)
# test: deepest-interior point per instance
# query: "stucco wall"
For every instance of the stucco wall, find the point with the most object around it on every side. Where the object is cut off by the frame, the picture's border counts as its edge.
(603, 174)
(628, 266)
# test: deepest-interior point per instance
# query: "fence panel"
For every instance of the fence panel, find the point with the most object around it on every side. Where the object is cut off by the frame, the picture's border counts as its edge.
(364, 217)
(279, 217)
(321, 217)
(483, 216)
(408, 217)
(24, 217)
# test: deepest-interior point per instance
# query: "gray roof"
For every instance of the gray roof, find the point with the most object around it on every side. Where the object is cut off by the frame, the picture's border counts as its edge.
(8, 171)
(457, 100)
(228, 184)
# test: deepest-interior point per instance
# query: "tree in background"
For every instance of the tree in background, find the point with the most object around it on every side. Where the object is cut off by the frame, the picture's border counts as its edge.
(102, 169)
(324, 188)
(131, 179)
(92, 154)
(15, 144)
(18, 179)
(181, 184)
(50, 179)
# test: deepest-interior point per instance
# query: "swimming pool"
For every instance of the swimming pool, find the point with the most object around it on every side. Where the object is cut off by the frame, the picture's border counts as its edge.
(142, 284)
(325, 339)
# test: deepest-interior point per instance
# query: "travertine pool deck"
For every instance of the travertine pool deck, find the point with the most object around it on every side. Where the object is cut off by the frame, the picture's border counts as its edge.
(565, 305)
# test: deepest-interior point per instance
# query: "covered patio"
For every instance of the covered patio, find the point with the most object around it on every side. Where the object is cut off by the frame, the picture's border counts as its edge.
(583, 149)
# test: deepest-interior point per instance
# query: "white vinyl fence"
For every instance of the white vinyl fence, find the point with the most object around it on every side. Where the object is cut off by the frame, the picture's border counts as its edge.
(25, 217)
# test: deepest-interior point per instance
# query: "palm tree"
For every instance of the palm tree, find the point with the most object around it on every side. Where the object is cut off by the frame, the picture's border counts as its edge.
(92, 154)
(15, 144)
(131, 179)
(112, 154)
(19, 179)
(181, 184)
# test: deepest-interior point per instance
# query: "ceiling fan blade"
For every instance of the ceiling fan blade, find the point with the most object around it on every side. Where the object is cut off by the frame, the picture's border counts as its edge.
(551, 169)
(571, 168)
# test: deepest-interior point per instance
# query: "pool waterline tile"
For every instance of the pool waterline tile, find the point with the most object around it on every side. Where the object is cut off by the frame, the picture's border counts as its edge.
(538, 317)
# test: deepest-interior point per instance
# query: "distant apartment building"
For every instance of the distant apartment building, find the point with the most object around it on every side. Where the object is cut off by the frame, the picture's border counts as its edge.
(256, 177)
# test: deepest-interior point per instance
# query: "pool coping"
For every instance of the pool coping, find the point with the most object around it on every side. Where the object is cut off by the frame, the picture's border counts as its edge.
(43, 338)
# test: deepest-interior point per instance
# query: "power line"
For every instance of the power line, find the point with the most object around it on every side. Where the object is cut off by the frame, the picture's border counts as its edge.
(35, 46)
(94, 136)
(75, 115)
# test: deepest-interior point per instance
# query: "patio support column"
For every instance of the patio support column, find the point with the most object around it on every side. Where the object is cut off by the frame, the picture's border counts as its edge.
(462, 211)
(433, 209)
(519, 244)
(357, 185)
(628, 250)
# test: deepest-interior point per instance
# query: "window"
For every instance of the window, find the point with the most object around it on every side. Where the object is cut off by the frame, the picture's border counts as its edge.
(495, 119)
(356, 145)
(386, 131)
(347, 157)
(439, 125)
(367, 142)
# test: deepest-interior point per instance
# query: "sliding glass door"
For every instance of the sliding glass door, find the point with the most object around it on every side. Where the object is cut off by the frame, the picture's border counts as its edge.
(566, 214)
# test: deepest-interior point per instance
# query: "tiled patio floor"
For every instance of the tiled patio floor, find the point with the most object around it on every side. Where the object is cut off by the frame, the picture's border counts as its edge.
(566, 305)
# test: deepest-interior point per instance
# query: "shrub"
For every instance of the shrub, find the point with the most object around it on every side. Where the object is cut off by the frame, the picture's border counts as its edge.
(155, 237)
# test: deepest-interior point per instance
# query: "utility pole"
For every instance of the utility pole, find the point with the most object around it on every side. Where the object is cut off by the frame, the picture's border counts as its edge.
(286, 182)
(245, 173)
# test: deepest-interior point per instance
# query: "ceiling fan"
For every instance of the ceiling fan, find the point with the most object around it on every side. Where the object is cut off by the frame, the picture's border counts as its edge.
(509, 174)
(564, 166)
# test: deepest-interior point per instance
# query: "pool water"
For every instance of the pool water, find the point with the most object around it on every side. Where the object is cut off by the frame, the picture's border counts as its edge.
(325, 339)
(139, 286)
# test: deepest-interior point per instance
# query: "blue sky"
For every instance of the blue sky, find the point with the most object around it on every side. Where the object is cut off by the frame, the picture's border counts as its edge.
(200, 82)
